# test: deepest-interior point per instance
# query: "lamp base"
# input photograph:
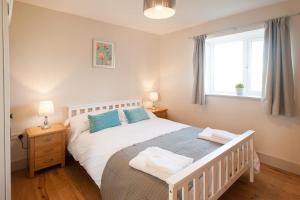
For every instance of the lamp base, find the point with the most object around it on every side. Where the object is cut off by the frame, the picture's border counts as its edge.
(153, 106)
(45, 127)
(46, 124)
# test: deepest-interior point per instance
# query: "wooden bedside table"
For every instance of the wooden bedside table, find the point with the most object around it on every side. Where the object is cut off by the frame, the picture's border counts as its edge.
(160, 112)
(46, 147)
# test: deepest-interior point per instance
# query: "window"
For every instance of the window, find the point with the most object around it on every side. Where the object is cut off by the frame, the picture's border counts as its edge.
(233, 59)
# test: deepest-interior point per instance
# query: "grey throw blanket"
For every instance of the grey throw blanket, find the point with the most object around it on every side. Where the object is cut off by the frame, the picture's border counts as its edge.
(122, 182)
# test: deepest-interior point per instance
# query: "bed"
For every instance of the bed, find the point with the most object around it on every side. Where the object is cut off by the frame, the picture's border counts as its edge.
(105, 157)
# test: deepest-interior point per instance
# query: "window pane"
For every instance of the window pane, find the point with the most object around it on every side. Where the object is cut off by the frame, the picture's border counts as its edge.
(256, 66)
(228, 66)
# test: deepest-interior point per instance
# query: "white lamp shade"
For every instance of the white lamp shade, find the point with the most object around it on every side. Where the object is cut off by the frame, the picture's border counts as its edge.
(153, 96)
(46, 107)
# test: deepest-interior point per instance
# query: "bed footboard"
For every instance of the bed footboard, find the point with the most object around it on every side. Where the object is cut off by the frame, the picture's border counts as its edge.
(211, 176)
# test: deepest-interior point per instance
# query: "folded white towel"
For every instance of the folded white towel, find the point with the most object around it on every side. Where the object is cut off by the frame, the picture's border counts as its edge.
(216, 135)
(222, 137)
(159, 162)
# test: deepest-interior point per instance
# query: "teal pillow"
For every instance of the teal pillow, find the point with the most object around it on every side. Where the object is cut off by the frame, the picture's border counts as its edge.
(136, 115)
(104, 120)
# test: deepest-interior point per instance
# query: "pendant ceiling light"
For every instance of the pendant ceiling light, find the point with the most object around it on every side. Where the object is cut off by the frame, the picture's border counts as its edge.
(159, 9)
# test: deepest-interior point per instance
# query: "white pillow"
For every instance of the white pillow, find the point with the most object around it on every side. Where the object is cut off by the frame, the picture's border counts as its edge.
(150, 114)
(122, 117)
(80, 123)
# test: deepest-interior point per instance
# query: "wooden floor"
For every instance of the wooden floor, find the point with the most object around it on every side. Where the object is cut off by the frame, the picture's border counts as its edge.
(73, 183)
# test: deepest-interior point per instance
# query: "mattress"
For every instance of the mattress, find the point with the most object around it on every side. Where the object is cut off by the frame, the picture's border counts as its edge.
(94, 150)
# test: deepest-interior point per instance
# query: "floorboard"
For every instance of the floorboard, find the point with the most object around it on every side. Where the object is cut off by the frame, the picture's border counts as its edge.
(72, 182)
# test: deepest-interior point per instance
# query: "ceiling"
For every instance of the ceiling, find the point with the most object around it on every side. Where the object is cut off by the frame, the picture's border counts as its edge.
(129, 12)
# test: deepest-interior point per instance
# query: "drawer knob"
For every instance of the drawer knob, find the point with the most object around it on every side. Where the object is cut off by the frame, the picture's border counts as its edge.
(48, 150)
(49, 160)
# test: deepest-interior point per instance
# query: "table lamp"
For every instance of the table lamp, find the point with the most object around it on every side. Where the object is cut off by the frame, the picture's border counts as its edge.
(46, 108)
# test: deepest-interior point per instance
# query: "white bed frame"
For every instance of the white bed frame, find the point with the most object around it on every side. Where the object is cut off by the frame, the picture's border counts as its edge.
(74, 110)
(212, 175)
(216, 172)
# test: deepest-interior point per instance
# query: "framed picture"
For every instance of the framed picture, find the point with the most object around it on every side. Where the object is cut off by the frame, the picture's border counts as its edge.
(103, 54)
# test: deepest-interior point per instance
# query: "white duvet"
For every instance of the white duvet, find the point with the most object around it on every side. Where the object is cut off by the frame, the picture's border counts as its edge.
(94, 150)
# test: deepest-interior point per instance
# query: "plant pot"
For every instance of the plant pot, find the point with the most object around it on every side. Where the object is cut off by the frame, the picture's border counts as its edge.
(239, 91)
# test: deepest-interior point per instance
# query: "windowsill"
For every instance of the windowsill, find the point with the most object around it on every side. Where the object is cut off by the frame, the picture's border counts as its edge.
(234, 96)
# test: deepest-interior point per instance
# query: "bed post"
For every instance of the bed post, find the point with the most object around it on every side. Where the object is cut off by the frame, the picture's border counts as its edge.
(172, 193)
(251, 160)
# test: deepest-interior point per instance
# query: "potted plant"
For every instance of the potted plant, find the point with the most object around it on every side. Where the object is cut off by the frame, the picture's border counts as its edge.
(239, 88)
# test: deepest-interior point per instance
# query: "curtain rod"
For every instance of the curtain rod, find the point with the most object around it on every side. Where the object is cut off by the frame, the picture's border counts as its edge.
(238, 27)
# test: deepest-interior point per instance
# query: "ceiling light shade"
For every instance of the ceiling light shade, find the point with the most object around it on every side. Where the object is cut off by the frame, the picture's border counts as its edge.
(159, 9)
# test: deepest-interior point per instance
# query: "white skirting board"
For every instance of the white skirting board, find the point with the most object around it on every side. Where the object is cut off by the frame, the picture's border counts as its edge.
(280, 164)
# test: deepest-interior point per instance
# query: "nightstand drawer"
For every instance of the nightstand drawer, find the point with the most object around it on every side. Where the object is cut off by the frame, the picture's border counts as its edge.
(46, 161)
(47, 149)
(47, 140)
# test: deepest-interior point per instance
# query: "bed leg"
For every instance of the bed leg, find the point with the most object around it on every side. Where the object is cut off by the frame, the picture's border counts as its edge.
(172, 193)
(251, 161)
(251, 175)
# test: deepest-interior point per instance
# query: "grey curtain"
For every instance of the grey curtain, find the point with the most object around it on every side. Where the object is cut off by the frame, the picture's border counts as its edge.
(278, 83)
(198, 69)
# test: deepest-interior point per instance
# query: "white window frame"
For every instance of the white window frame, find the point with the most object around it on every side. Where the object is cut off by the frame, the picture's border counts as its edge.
(247, 38)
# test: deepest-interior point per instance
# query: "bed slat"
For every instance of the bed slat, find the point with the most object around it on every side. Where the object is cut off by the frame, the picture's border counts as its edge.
(197, 188)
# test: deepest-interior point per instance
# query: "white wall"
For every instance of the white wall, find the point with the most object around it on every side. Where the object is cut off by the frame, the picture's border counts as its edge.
(51, 55)
(276, 136)
(51, 58)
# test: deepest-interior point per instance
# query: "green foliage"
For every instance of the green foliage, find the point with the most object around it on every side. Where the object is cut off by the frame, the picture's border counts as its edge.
(103, 54)
(239, 85)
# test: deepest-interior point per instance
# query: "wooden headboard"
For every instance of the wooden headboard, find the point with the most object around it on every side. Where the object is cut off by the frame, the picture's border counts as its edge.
(74, 110)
